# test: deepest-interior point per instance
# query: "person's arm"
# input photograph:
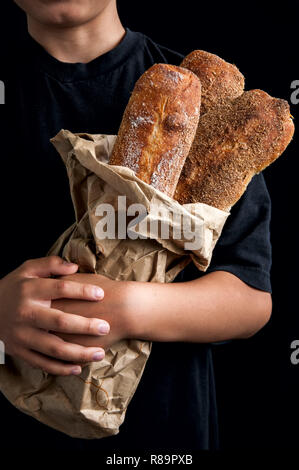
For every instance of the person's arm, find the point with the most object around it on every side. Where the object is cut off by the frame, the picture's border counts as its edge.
(232, 300)
(215, 307)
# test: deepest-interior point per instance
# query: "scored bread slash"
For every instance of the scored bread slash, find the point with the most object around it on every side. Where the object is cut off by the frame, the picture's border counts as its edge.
(159, 125)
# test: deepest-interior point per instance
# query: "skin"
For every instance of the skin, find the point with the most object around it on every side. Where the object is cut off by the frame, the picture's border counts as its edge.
(28, 317)
(216, 307)
(74, 30)
(54, 324)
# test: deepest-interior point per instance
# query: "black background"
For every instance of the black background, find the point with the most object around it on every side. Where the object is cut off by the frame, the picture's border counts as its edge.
(257, 386)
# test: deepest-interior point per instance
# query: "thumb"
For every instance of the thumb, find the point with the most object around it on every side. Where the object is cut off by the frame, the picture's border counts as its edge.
(48, 266)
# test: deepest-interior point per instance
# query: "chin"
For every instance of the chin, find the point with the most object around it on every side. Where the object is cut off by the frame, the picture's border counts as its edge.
(65, 18)
(62, 13)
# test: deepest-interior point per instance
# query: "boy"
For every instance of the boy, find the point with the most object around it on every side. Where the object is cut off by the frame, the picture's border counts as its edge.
(76, 70)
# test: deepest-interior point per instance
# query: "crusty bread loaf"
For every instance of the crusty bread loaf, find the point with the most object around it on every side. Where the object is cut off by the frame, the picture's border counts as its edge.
(220, 80)
(233, 142)
(159, 125)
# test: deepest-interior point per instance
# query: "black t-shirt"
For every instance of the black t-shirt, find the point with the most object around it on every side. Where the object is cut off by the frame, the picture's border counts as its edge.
(175, 403)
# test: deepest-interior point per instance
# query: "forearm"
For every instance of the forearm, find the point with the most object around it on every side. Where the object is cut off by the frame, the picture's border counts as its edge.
(215, 307)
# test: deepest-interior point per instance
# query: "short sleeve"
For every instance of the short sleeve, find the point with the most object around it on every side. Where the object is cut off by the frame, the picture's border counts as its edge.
(244, 247)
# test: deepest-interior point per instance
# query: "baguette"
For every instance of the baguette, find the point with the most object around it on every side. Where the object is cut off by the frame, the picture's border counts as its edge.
(159, 125)
(220, 80)
(233, 143)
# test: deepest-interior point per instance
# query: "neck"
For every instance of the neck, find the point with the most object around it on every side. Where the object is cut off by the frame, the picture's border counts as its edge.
(81, 43)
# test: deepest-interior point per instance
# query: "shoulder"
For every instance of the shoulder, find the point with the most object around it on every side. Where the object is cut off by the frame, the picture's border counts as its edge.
(157, 53)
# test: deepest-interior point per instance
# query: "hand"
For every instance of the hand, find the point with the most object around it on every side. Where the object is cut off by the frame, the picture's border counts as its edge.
(26, 316)
(115, 308)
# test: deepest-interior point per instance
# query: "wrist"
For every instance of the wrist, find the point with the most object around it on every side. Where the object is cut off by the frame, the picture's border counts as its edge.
(133, 305)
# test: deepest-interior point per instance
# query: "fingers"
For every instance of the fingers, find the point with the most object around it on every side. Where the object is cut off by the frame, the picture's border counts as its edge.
(49, 365)
(48, 266)
(84, 340)
(56, 320)
(54, 347)
(63, 289)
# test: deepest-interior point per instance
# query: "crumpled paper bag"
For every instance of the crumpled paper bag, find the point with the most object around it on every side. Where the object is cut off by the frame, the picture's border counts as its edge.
(93, 405)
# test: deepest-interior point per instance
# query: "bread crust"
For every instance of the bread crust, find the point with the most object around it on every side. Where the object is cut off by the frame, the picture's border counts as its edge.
(233, 143)
(220, 80)
(159, 125)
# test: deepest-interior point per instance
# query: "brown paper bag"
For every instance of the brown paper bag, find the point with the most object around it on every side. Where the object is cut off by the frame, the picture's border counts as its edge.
(93, 405)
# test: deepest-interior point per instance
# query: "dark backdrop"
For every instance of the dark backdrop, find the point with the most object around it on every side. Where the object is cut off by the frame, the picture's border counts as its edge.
(257, 385)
